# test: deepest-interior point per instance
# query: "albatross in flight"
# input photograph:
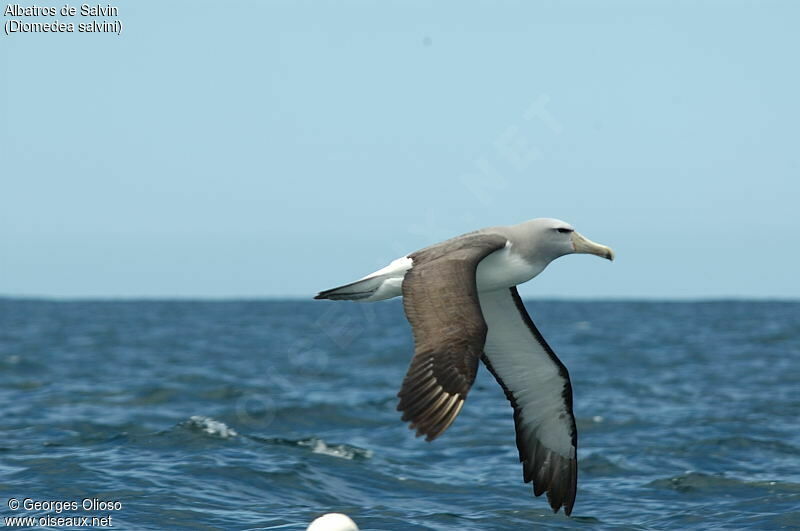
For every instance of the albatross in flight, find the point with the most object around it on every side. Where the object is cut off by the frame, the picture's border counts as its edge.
(461, 299)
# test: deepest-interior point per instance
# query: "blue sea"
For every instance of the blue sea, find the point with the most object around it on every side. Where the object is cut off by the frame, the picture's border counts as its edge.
(266, 414)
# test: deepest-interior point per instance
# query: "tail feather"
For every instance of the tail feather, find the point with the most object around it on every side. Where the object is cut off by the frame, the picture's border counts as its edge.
(358, 290)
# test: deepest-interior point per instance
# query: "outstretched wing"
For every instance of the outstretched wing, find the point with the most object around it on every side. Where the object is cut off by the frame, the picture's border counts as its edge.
(537, 385)
(440, 298)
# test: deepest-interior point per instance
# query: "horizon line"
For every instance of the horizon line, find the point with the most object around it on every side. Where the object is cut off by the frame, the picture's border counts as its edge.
(296, 298)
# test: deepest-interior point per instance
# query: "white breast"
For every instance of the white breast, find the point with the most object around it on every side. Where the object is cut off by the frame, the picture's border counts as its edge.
(503, 269)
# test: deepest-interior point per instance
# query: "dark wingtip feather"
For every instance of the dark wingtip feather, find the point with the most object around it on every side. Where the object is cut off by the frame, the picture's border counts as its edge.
(425, 405)
(554, 475)
(560, 486)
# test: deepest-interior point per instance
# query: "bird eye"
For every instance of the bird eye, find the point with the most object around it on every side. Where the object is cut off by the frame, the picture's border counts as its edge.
(565, 231)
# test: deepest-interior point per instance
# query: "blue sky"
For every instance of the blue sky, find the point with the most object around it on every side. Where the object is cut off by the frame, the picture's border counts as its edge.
(279, 148)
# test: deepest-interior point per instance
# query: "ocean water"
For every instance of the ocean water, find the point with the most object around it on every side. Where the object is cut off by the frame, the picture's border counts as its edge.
(265, 414)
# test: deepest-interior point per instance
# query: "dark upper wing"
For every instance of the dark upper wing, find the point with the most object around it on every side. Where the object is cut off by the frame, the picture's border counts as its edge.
(441, 303)
(538, 387)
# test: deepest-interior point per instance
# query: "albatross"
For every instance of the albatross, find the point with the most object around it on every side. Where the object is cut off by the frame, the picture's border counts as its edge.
(461, 299)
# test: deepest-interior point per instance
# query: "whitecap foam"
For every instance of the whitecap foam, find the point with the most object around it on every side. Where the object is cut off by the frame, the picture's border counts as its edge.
(211, 426)
(343, 451)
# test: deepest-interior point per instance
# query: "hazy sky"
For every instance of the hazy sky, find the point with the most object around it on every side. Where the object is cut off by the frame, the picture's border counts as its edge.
(252, 149)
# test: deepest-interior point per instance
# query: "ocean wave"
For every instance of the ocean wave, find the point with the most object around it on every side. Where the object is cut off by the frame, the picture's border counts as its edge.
(698, 481)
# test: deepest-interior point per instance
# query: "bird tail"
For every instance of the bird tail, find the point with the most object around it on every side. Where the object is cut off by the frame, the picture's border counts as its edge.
(358, 290)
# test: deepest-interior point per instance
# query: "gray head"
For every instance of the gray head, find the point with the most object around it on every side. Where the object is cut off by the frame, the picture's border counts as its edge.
(545, 239)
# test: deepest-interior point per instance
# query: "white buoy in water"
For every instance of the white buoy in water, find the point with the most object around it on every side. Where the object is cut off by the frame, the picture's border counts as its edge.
(333, 522)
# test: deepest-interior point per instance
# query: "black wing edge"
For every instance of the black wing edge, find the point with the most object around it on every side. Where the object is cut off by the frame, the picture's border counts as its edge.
(540, 465)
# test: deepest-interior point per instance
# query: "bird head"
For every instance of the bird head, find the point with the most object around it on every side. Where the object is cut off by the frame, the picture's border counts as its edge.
(554, 238)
